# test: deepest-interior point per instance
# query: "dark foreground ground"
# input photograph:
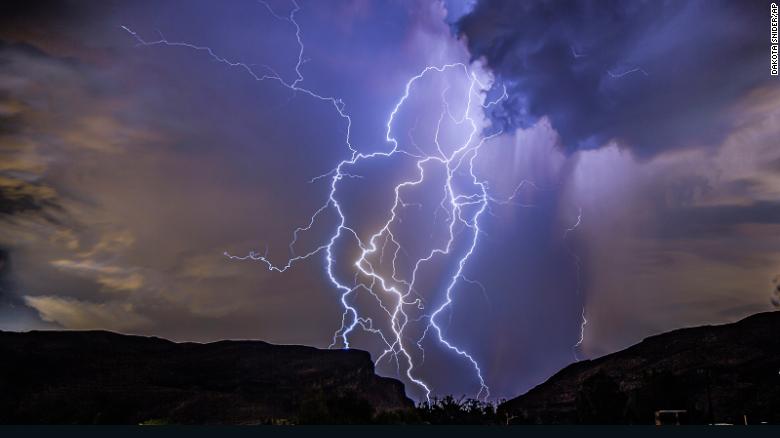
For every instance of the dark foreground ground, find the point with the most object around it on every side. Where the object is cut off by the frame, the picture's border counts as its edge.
(716, 374)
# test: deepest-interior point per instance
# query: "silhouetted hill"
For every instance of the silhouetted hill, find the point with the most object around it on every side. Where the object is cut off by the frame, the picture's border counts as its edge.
(101, 377)
(716, 373)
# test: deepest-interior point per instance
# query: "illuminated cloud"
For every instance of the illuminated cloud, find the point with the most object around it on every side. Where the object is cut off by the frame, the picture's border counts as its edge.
(82, 315)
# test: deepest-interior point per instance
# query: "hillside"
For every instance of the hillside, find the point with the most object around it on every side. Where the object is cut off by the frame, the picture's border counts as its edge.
(716, 373)
(86, 377)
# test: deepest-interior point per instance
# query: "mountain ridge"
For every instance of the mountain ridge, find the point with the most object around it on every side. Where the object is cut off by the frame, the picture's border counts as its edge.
(716, 373)
(85, 377)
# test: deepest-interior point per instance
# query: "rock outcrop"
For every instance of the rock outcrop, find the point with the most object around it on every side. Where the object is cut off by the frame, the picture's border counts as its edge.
(97, 377)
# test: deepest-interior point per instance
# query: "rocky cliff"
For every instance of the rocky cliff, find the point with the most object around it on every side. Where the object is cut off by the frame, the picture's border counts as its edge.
(87, 377)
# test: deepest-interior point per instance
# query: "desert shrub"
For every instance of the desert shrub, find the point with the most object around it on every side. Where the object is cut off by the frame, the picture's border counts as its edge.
(449, 410)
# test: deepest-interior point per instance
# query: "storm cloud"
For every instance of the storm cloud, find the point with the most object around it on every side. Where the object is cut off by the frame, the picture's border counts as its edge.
(651, 76)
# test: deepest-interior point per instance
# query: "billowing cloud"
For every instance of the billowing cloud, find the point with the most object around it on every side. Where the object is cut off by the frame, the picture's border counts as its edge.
(81, 315)
(651, 76)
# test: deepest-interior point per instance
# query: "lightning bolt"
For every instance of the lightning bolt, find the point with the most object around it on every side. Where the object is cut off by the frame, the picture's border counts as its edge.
(583, 323)
(578, 266)
(627, 72)
(463, 208)
(575, 53)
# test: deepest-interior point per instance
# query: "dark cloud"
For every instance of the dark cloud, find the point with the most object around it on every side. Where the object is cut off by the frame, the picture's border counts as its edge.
(28, 114)
(773, 165)
(704, 221)
(651, 75)
(25, 13)
(19, 198)
(5, 269)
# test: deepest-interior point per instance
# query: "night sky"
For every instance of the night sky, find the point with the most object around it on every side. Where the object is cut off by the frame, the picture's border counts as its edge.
(632, 167)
